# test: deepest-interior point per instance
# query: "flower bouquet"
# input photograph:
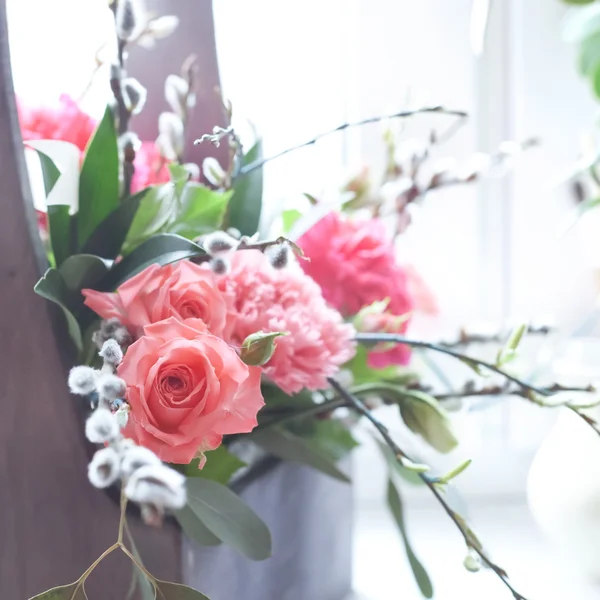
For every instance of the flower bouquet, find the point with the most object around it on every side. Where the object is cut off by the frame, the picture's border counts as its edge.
(203, 348)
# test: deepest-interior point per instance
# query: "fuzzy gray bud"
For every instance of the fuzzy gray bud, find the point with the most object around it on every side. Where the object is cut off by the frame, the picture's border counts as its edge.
(111, 353)
(104, 469)
(158, 486)
(171, 140)
(111, 329)
(101, 427)
(137, 457)
(278, 255)
(82, 380)
(126, 20)
(219, 265)
(134, 94)
(110, 387)
(218, 242)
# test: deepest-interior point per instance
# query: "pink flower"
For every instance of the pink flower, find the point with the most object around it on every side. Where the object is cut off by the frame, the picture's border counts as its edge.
(187, 388)
(182, 290)
(355, 266)
(287, 300)
(66, 122)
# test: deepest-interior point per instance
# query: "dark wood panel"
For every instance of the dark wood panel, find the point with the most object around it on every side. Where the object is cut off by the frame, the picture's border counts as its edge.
(53, 524)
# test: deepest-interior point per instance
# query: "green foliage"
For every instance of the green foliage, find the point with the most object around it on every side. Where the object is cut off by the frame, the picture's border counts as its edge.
(448, 477)
(99, 179)
(396, 508)
(161, 249)
(220, 465)
(289, 218)
(291, 447)
(246, 204)
(73, 591)
(50, 171)
(228, 518)
(332, 437)
(108, 238)
(578, 1)
(177, 591)
(509, 352)
(60, 225)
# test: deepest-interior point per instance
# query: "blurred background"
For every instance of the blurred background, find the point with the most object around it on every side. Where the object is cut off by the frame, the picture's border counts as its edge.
(496, 252)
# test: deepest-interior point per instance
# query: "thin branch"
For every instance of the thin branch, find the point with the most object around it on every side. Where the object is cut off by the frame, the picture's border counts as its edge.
(257, 164)
(374, 338)
(399, 454)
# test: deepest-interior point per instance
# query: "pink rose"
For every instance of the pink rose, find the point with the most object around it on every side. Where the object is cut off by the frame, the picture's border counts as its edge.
(187, 388)
(182, 290)
(270, 300)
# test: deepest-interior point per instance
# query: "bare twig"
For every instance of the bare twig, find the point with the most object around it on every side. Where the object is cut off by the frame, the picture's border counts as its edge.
(528, 390)
(400, 456)
(257, 164)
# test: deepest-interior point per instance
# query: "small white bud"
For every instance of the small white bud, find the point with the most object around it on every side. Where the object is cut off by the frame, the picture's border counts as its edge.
(122, 415)
(134, 94)
(157, 485)
(278, 255)
(219, 265)
(163, 27)
(111, 353)
(171, 139)
(213, 172)
(101, 427)
(104, 470)
(218, 242)
(472, 562)
(176, 91)
(234, 232)
(193, 169)
(82, 380)
(137, 457)
(111, 387)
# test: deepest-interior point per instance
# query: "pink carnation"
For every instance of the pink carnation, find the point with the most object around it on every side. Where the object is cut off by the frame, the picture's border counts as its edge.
(67, 122)
(287, 300)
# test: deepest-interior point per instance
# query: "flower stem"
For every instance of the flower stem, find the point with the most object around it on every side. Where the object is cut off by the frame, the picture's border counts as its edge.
(123, 506)
(399, 454)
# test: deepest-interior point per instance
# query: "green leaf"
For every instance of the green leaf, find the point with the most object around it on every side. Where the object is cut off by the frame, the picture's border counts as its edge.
(246, 204)
(52, 286)
(578, 1)
(177, 591)
(179, 176)
(474, 366)
(288, 446)
(99, 179)
(73, 591)
(229, 518)
(589, 54)
(59, 224)
(108, 238)
(161, 249)
(220, 465)
(82, 271)
(424, 416)
(455, 472)
(288, 218)
(156, 209)
(395, 504)
(195, 529)
(333, 438)
(50, 172)
(201, 211)
(410, 476)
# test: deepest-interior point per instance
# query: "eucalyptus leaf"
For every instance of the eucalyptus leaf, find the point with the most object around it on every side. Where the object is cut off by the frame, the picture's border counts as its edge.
(59, 225)
(246, 203)
(288, 446)
(201, 210)
(161, 249)
(229, 518)
(108, 238)
(73, 591)
(396, 507)
(52, 286)
(50, 172)
(220, 465)
(195, 529)
(99, 179)
(177, 591)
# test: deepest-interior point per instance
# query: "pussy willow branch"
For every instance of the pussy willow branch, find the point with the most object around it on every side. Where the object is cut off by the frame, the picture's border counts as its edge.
(399, 454)
(257, 164)
(374, 338)
(245, 245)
